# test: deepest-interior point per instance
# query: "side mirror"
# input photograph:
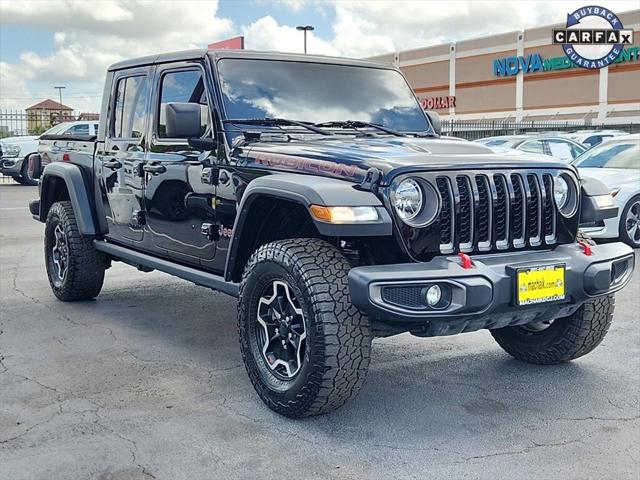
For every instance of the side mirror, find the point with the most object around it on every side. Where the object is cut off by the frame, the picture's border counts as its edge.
(183, 120)
(434, 118)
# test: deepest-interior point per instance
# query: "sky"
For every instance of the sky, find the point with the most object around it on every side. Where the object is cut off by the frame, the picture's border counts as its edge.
(71, 43)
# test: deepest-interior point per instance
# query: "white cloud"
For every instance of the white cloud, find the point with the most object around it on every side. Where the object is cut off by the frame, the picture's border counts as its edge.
(365, 28)
(267, 34)
(89, 36)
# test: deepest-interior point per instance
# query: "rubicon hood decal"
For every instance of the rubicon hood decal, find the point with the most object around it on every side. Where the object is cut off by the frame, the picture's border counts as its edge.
(306, 164)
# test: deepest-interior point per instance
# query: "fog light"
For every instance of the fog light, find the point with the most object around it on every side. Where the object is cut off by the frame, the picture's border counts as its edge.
(433, 295)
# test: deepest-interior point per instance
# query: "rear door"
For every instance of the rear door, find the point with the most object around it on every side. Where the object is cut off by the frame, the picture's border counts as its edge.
(122, 154)
(180, 210)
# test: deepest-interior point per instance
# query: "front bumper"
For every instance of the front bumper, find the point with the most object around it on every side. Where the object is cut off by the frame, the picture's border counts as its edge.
(483, 296)
(11, 165)
(609, 228)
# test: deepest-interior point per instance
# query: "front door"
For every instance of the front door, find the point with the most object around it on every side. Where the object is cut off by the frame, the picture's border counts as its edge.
(180, 209)
(122, 154)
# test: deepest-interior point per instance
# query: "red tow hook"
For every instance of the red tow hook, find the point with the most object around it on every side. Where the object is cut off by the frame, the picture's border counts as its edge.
(465, 261)
(586, 248)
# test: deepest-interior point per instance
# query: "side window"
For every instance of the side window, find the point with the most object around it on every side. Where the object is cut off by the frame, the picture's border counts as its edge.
(130, 106)
(184, 86)
(95, 128)
(534, 146)
(563, 150)
(82, 129)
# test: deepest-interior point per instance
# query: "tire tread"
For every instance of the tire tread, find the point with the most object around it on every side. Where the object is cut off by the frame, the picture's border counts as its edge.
(341, 365)
(85, 275)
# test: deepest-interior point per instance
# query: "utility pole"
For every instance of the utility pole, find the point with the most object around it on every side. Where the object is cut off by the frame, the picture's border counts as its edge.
(305, 29)
(60, 92)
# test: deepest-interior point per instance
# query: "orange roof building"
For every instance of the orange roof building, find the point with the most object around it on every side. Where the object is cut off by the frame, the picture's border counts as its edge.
(49, 105)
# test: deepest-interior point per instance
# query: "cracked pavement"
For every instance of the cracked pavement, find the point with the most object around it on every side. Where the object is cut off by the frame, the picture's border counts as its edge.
(147, 382)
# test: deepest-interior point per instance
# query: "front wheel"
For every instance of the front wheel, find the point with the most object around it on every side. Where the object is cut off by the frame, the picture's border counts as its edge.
(306, 348)
(630, 223)
(560, 340)
(25, 174)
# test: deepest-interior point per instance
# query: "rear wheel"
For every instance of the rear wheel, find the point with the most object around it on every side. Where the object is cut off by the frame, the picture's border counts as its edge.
(306, 348)
(75, 269)
(562, 339)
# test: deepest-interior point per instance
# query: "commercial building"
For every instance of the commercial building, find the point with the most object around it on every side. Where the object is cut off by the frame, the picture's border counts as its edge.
(522, 75)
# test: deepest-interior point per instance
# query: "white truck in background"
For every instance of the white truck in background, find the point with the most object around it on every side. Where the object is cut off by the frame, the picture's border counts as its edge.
(15, 150)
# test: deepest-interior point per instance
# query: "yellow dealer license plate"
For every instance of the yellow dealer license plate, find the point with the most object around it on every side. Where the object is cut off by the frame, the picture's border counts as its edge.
(540, 284)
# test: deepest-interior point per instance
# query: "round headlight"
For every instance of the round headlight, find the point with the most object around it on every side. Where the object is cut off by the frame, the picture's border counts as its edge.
(561, 192)
(408, 199)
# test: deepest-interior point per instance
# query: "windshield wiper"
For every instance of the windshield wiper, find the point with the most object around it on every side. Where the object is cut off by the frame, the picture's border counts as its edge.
(278, 122)
(355, 124)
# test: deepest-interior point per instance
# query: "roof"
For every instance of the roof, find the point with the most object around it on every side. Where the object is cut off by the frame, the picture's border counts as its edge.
(218, 54)
(48, 104)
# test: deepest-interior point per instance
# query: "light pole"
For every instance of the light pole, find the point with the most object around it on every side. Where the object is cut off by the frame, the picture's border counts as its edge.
(305, 29)
(60, 92)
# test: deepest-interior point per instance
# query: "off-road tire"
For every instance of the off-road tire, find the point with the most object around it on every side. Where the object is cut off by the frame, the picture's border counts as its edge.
(25, 179)
(86, 265)
(338, 345)
(566, 338)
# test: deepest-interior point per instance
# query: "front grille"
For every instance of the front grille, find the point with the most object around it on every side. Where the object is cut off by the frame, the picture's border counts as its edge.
(497, 211)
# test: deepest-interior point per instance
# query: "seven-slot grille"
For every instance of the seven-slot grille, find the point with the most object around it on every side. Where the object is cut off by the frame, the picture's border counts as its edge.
(491, 210)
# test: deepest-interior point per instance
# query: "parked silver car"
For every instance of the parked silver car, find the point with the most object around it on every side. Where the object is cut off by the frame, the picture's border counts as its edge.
(561, 148)
(616, 163)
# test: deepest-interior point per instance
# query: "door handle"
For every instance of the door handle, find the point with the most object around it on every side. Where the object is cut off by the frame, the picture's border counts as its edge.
(154, 168)
(113, 163)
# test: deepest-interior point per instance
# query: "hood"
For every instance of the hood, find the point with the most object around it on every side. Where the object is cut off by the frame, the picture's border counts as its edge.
(349, 157)
(612, 177)
(18, 140)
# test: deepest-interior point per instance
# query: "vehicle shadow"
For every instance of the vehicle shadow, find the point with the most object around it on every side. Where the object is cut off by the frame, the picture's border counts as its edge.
(448, 393)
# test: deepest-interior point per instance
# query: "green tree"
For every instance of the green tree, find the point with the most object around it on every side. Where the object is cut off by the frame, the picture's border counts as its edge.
(40, 129)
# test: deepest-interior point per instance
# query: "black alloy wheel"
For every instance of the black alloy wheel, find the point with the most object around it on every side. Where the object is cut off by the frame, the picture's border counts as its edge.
(59, 258)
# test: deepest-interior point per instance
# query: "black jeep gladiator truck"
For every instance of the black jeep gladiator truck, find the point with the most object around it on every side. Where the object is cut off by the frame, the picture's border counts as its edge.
(319, 193)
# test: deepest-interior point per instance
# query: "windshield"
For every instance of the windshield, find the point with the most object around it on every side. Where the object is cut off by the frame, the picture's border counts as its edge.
(318, 92)
(611, 155)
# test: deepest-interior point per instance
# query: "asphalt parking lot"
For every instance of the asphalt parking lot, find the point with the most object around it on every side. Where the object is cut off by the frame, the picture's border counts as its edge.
(147, 382)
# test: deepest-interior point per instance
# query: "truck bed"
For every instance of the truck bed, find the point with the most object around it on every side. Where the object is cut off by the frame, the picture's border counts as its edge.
(79, 149)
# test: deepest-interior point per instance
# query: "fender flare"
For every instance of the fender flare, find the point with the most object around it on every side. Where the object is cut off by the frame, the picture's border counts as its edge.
(72, 177)
(309, 190)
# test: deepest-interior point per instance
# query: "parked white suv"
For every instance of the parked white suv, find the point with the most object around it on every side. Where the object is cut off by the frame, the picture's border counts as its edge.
(591, 138)
(15, 151)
